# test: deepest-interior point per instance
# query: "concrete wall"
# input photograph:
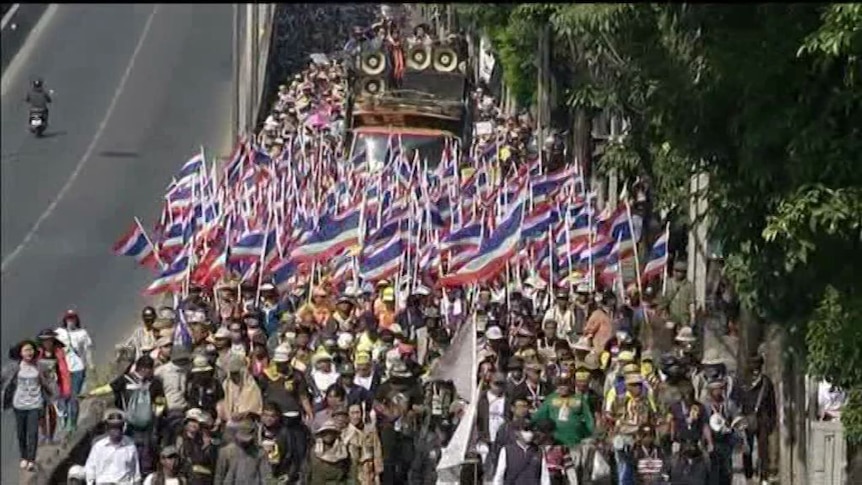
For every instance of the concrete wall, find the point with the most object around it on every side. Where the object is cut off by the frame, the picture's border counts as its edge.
(254, 31)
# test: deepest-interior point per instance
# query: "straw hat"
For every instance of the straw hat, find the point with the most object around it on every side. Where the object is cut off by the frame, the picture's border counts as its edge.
(685, 335)
(328, 425)
(712, 357)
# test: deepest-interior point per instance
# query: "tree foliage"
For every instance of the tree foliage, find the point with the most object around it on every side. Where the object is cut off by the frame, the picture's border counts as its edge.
(766, 99)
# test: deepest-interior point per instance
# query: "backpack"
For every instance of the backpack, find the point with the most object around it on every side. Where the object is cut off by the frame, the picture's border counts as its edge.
(139, 407)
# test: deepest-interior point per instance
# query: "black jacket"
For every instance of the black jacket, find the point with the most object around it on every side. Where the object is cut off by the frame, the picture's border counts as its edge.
(38, 98)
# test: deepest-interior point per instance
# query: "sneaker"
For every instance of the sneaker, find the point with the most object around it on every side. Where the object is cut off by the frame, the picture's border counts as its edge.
(31, 466)
(23, 464)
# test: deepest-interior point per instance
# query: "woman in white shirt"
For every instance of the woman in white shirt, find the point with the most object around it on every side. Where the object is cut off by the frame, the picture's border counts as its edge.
(79, 358)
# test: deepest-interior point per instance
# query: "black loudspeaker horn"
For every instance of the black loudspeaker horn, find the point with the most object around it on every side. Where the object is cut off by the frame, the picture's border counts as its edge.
(445, 59)
(419, 58)
(370, 86)
(372, 63)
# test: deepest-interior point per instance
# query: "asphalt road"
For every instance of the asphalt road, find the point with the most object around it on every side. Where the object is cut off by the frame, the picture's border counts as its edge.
(138, 89)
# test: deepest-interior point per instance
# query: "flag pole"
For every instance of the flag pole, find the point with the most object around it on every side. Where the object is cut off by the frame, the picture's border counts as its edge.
(632, 231)
(664, 273)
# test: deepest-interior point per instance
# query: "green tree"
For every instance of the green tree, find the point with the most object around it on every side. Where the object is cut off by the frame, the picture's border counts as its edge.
(766, 99)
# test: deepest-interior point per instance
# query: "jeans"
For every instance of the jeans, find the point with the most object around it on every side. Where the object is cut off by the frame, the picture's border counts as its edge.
(762, 438)
(69, 406)
(27, 424)
(625, 467)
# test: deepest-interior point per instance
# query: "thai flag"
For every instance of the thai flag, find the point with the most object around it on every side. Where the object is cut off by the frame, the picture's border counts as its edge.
(580, 229)
(342, 265)
(469, 236)
(600, 250)
(190, 169)
(182, 337)
(282, 272)
(657, 262)
(493, 254)
(536, 224)
(135, 243)
(614, 222)
(384, 262)
(179, 198)
(170, 277)
(623, 247)
(174, 237)
(544, 186)
(429, 256)
(332, 236)
(249, 247)
(233, 170)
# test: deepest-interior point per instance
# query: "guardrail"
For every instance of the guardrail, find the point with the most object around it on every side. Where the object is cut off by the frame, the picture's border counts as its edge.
(18, 21)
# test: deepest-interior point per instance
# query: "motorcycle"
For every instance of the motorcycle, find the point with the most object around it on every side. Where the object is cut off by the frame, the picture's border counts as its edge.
(38, 122)
(39, 119)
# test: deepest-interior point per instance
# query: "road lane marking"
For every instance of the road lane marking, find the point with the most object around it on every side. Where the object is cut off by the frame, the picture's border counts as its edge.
(8, 16)
(25, 50)
(88, 153)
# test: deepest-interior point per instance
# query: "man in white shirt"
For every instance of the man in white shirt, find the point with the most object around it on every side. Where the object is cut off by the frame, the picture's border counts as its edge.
(561, 314)
(113, 458)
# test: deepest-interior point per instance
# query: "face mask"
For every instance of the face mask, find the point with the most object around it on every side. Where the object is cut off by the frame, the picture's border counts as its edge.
(527, 436)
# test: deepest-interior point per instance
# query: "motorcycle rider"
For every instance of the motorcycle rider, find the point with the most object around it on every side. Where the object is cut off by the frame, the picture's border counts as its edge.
(38, 99)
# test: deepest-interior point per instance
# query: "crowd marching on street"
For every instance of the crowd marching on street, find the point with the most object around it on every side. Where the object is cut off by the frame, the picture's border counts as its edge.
(334, 325)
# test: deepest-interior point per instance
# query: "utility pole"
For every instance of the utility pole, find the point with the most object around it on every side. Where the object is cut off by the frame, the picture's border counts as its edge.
(235, 115)
(249, 64)
(698, 234)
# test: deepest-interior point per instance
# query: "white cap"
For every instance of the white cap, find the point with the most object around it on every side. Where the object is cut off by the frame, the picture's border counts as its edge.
(494, 333)
(281, 354)
(351, 291)
(422, 290)
(345, 340)
(267, 287)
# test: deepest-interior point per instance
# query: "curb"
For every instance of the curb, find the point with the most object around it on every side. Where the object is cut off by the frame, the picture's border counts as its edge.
(16, 27)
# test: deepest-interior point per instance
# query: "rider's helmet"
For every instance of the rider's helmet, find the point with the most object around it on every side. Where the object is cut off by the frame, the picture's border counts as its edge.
(37, 83)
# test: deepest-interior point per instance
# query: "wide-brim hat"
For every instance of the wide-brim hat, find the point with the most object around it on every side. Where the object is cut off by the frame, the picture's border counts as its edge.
(712, 357)
(685, 334)
(328, 425)
(399, 369)
(201, 364)
(114, 416)
(583, 344)
(49, 334)
(162, 323)
(632, 379)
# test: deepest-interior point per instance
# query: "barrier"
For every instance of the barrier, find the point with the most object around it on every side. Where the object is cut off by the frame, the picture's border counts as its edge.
(18, 21)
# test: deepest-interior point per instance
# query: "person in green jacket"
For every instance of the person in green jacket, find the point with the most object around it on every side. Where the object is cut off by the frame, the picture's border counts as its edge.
(569, 411)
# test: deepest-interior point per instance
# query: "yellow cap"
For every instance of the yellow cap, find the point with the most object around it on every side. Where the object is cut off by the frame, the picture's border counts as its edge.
(388, 294)
(582, 375)
(362, 358)
(626, 356)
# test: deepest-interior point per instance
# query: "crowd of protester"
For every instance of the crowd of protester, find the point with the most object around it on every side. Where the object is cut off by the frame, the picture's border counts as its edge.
(333, 382)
